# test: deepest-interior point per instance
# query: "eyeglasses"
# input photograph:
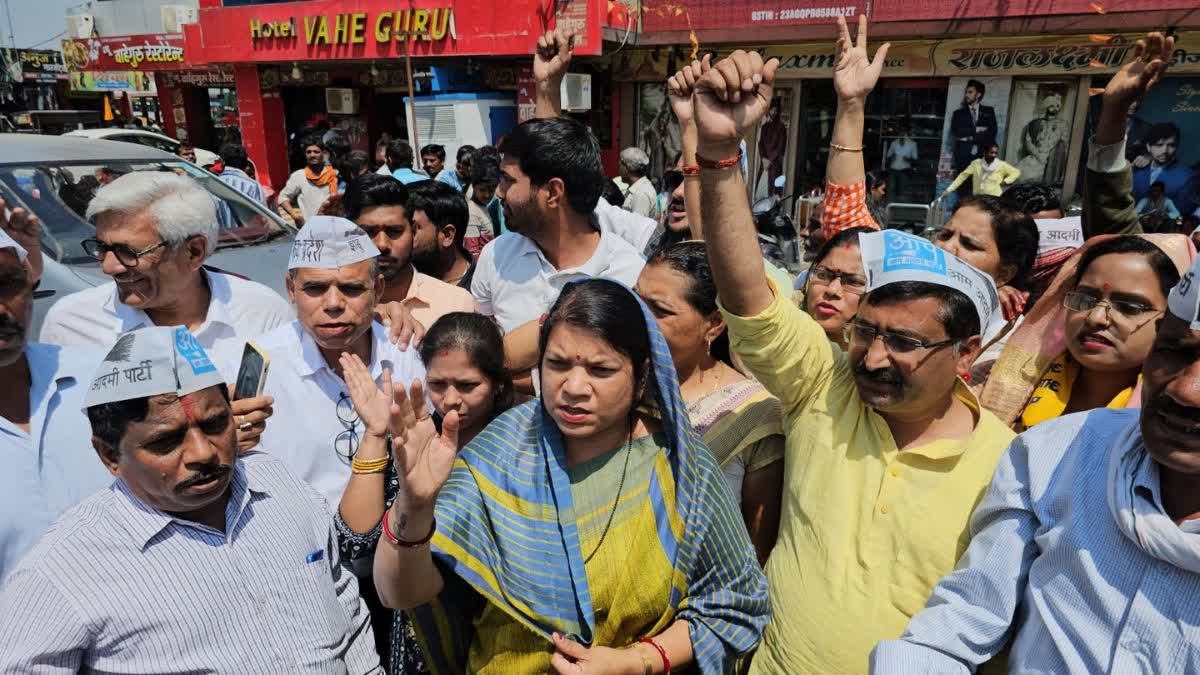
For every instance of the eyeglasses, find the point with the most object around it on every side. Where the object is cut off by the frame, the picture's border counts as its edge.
(1082, 302)
(851, 283)
(862, 335)
(672, 178)
(125, 255)
(346, 442)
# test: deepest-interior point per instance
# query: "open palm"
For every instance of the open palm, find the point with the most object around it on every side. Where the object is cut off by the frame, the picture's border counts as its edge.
(732, 98)
(1150, 58)
(423, 457)
(854, 73)
(372, 403)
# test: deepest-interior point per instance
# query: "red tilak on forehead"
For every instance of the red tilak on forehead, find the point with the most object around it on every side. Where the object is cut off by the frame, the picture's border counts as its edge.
(186, 402)
(1107, 286)
(848, 246)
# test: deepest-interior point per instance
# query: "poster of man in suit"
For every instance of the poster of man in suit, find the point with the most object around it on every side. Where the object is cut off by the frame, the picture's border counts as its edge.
(979, 119)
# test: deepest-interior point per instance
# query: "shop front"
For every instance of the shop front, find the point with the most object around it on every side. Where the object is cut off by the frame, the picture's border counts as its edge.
(428, 71)
(31, 79)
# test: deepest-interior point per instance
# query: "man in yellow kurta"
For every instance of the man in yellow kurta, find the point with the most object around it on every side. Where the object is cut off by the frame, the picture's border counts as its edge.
(887, 450)
(989, 174)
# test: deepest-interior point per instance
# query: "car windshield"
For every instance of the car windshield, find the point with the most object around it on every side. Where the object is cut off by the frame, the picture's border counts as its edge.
(59, 195)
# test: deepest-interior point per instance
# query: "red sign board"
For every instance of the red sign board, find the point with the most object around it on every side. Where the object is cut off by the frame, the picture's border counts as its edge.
(383, 29)
(162, 51)
(678, 15)
(907, 10)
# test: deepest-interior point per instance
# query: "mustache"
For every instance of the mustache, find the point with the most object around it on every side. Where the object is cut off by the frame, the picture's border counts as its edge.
(216, 472)
(1168, 406)
(882, 376)
(10, 325)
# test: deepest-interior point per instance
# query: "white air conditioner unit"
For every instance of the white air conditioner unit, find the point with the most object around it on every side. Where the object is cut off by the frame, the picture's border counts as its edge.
(80, 25)
(174, 16)
(576, 92)
(340, 101)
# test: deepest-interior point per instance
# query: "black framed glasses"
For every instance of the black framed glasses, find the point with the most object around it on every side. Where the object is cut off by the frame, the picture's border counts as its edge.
(125, 255)
(862, 335)
(851, 283)
(1082, 302)
(346, 442)
(672, 178)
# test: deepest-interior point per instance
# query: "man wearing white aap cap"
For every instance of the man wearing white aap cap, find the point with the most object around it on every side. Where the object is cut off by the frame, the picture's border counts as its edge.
(45, 439)
(334, 283)
(888, 450)
(1110, 584)
(236, 538)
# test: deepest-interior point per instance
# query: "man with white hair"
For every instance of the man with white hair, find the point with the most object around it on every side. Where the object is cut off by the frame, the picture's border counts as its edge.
(335, 283)
(154, 230)
(641, 198)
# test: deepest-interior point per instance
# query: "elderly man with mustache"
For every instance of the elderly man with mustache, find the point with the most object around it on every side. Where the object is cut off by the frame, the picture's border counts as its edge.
(194, 560)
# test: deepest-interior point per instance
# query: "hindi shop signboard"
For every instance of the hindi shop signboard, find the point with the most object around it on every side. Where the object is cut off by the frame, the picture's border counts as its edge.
(1053, 55)
(382, 29)
(161, 51)
(33, 65)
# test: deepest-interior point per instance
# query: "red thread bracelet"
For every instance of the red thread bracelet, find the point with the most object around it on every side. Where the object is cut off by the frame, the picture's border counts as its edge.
(661, 652)
(720, 163)
(693, 170)
(396, 541)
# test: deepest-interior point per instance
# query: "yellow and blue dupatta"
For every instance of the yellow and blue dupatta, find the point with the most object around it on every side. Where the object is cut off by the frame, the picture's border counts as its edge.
(507, 535)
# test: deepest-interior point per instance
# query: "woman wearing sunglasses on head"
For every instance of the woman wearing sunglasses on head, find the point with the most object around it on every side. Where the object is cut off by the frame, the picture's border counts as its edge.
(463, 355)
(576, 532)
(1087, 337)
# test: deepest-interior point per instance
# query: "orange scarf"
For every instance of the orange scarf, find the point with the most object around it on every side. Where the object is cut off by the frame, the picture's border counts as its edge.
(328, 177)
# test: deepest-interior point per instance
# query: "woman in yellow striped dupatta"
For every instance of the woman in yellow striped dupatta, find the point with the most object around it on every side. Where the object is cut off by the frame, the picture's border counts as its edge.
(739, 421)
(576, 531)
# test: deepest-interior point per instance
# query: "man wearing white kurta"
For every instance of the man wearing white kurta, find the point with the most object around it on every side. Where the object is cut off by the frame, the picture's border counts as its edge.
(334, 283)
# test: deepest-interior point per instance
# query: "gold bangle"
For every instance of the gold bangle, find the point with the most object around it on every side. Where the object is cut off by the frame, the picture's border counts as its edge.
(360, 472)
(845, 148)
(369, 465)
(647, 667)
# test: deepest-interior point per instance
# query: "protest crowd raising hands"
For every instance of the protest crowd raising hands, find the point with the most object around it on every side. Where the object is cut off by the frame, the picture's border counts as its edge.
(507, 422)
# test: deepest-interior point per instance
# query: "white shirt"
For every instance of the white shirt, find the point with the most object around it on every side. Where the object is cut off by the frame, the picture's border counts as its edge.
(304, 194)
(635, 229)
(516, 284)
(903, 152)
(239, 309)
(642, 198)
(306, 390)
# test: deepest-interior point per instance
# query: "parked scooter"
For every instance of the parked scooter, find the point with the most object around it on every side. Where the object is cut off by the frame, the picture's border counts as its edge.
(776, 232)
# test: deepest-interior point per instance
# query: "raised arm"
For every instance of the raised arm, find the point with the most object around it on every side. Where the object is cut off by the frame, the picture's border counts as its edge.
(551, 59)
(363, 501)
(1108, 204)
(680, 87)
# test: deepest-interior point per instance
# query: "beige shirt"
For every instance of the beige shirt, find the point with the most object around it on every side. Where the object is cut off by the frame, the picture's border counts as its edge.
(429, 299)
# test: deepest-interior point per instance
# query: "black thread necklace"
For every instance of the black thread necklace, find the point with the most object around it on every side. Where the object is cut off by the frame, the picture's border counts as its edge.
(620, 489)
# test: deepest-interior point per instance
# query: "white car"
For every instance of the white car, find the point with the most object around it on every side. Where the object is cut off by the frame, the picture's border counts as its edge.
(204, 158)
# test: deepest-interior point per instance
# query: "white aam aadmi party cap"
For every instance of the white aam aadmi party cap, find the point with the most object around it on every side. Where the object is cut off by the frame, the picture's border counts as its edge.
(1056, 233)
(891, 256)
(329, 242)
(8, 242)
(149, 362)
(1184, 301)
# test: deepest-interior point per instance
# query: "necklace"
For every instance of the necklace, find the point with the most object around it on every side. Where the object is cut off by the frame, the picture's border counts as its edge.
(620, 489)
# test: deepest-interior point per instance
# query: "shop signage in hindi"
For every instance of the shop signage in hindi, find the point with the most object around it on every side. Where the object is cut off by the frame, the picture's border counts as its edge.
(355, 28)
(160, 51)
(135, 82)
(34, 65)
(1051, 55)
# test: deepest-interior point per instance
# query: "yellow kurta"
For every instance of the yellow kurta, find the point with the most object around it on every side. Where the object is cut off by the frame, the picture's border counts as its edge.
(867, 531)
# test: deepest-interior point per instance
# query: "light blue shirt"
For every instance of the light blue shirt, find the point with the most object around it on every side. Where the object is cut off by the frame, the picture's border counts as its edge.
(53, 466)
(408, 176)
(1048, 561)
(450, 177)
(238, 180)
(119, 587)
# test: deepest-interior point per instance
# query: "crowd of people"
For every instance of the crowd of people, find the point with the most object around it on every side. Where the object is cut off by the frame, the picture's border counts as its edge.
(507, 424)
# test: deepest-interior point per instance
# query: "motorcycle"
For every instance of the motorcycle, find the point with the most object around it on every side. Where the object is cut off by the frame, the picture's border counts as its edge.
(776, 233)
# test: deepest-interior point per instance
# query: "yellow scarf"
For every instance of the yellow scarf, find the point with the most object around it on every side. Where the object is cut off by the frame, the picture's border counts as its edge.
(1053, 392)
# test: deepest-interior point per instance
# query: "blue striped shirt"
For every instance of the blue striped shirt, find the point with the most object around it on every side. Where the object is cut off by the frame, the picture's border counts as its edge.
(118, 587)
(1048, 562)
(238, 180)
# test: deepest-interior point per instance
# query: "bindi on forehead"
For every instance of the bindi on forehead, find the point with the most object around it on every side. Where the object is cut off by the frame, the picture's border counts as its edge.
(188, 404)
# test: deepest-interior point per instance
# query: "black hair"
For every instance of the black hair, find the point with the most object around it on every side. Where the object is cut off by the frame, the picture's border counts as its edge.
(479, 338)
(370, 190)
(443, 205)
(109, 420)
(466, 152)
(1164, 268)
(1161, 132)
(311, 140)
(337, 143)
(612, 193)
(957, 313)
(438, 151)
(485, 171)
(977, 86)
(399, 155)
(1033, 197)
(1158, 184)
(690, 259)
(485, 152)
(609, 311)
(234, 155)
(1015, 232)
(842, 238)
(562, 148)
(184, 145)
(874, 179)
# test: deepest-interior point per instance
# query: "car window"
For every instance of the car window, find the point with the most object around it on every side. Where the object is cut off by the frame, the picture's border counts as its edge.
(60, 195)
